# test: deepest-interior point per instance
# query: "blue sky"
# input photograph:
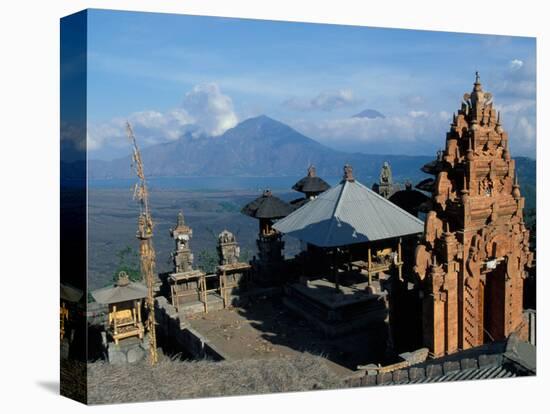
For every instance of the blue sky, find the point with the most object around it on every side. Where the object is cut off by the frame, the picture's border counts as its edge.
(168, 74)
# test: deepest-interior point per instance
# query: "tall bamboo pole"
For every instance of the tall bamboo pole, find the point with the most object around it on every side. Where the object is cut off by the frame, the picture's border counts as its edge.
(146, 249)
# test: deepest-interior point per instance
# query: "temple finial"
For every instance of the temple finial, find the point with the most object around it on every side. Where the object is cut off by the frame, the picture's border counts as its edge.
(477, 83)
(181, 221)
(348, 173)
(311, 171)
(516, 193)
(123, 279)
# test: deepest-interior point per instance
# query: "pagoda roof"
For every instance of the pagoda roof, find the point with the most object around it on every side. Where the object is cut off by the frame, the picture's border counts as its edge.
(267, 206)
(311, 183)
(426, 185)
(299, 202)
(348, 213)
(408, 199)
(70, 293)
(117, 293)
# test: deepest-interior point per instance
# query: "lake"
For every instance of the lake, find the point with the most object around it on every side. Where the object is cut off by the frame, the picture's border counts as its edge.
(210, 183)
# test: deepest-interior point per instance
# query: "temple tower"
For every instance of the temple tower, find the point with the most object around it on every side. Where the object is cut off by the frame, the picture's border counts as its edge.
(266, 209)
(182, 256)
(471, 263)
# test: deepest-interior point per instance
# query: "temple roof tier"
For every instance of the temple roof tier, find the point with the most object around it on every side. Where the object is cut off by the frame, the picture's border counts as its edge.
(267, 206)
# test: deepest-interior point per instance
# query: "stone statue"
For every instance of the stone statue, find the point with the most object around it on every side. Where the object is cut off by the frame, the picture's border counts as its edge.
(385, 174)
(385, 187)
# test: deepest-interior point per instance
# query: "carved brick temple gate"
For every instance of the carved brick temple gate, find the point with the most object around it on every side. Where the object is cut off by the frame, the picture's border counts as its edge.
(471, 263)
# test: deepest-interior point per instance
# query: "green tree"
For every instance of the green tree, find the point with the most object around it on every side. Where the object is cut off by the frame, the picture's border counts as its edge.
(245, 256)
(128, 261)
(207, 261)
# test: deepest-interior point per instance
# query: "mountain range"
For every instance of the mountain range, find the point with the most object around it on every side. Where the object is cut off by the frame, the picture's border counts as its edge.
(259, 146)
(263, 147)
(369, 113)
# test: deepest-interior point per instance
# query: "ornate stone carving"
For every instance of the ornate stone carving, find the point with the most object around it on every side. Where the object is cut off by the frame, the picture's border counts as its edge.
(182, 256)
(228, 249)
(476, 295)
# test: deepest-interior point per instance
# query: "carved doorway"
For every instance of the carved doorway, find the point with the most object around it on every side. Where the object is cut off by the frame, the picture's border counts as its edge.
(494, 303)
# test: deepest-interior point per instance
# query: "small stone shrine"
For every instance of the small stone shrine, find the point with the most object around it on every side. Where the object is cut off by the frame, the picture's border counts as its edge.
(182, 256)
(231, 270)
(186, 284)
(228, 249)
(125, 333)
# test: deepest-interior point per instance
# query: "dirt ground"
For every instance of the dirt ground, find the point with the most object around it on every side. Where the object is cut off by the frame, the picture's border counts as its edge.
(266, 329)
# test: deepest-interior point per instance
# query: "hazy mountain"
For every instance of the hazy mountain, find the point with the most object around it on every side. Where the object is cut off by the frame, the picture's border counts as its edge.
(262, 146)
(369, 113)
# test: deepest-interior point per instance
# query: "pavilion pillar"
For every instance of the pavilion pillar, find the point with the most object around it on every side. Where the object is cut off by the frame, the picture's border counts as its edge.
(369, 265)
(335, 269)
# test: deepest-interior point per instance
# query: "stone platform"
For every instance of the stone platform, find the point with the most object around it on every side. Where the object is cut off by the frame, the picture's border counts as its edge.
(333, 312)
(190, 307)
(128, 350)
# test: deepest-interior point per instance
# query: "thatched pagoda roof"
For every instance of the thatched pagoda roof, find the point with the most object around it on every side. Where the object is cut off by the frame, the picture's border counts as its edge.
(267, 206)
(409, 200)
(311, 183)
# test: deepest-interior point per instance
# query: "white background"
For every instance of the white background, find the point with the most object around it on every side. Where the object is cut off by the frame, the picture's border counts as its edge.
(29, 176)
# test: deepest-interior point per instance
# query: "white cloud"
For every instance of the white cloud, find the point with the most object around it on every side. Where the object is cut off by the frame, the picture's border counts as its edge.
(517, 82)
(519, 120)
(72, 133)
(515, 64)
(212, 111)
(205, 110)
(418, 114)
(325, 101)
(416, 126)
(150, 126)
(412, 101)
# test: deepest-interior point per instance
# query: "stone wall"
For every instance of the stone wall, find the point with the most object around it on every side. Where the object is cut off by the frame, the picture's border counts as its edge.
(173, 327)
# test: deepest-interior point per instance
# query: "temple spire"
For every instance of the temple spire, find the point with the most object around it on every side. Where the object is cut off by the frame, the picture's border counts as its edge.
(477, 83)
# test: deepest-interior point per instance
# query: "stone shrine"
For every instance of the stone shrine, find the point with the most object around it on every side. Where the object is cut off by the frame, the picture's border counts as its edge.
(182, 256)
(228, 248)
